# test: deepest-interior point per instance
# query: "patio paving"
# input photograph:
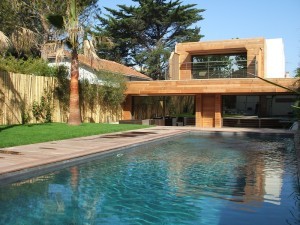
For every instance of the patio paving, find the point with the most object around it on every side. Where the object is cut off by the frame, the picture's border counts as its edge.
(24, 161)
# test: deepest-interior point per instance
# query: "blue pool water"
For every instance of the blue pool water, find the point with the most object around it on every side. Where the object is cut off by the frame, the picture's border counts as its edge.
(187, 180)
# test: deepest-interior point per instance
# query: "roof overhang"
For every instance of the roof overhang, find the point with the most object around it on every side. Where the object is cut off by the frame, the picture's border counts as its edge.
(247, 86)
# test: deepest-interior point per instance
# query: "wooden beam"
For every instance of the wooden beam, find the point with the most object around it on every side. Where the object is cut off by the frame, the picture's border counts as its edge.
(249, 86)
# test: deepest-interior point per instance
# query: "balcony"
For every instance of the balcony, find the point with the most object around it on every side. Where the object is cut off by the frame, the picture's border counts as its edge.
(221, 69)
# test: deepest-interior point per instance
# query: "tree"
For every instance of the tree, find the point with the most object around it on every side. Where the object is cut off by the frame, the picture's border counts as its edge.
(297, 71)
(25, 22)
(69, 23)
(144, 35)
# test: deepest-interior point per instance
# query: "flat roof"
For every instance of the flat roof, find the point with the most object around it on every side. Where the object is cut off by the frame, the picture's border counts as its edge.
(210, 86)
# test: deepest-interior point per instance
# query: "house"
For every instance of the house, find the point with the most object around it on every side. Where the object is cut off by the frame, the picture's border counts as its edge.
(89, 66)
(221, 75)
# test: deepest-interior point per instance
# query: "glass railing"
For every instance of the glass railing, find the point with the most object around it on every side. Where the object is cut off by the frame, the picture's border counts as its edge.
(220, 69)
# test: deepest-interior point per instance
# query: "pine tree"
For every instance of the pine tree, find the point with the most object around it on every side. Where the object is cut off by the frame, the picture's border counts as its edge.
(144, 35)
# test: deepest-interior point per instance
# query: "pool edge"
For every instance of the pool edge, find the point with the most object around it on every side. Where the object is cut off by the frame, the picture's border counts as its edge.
(27, 173)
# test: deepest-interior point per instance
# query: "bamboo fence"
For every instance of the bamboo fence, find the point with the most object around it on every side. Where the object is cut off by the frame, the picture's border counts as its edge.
(18, 92)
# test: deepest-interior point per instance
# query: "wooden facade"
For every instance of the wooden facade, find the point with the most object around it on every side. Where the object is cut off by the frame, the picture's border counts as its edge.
(182, 57)
(208, 92)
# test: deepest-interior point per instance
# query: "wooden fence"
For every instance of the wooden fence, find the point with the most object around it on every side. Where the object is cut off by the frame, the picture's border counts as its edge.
(18, 92)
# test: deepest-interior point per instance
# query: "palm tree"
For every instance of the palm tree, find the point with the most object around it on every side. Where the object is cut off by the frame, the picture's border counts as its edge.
(71, 25)
(73, 29)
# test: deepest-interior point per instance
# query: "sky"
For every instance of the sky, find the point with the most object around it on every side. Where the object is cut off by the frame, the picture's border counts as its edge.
(247, 19)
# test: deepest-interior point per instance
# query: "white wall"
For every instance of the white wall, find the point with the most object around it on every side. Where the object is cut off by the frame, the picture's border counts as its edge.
(83, 72)
(274, 58)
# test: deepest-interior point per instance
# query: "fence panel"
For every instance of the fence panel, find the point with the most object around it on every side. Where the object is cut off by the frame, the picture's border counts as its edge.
(18, 92)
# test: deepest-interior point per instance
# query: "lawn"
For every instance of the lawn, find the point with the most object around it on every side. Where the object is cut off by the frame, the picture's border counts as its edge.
(14, 135)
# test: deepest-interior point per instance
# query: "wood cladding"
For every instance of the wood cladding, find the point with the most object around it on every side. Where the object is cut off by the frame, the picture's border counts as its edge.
(254, 48)
(210, 86)
(208, 93)
(127, 108)
(208, 110)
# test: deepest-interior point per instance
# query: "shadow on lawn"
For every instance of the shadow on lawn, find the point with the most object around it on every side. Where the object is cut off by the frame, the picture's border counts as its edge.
(2, 128)
(9, 127)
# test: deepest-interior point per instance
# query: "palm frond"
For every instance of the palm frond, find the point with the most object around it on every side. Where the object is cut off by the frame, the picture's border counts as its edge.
(24, 39)
(4, 42)
(60, 54)
(89, 50)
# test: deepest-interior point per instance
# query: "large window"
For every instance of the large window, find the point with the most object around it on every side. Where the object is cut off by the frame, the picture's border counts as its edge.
(219, 66)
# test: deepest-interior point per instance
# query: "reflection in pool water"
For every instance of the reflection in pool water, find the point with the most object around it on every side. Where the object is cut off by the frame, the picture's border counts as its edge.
(188, 180)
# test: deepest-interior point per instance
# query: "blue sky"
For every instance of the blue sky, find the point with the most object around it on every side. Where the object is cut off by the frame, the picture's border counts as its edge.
(248, 19)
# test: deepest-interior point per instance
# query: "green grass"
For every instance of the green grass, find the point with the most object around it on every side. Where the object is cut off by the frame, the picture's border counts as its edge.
(15, 135)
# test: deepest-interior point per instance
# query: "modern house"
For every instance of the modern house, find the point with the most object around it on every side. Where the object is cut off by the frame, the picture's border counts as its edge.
(225, 77)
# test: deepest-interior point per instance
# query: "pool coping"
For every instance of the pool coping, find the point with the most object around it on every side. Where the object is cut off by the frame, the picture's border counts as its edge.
(91, 147)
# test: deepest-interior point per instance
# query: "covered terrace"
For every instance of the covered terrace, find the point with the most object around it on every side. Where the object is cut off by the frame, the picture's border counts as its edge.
(208, 94)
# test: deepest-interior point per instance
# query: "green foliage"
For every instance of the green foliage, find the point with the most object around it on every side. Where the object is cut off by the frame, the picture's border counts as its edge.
(145, 34)
(43, 111)
(25, 115)
(62, 88)
(32, 16)
(56, 20)
(112, 89)
(296, 108)
(297, 71)
(296, 105)
(35, 66)
(108, 92)
(89, 94)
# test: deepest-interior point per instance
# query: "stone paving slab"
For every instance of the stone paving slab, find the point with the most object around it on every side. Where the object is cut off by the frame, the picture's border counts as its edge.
(28, 158)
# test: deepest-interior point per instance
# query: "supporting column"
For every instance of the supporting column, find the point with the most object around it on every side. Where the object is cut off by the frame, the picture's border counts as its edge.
(127, 108)
(198, 111)
(218, 116)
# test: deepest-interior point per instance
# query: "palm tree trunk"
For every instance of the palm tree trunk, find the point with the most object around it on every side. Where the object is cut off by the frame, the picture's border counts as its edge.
(75, 116)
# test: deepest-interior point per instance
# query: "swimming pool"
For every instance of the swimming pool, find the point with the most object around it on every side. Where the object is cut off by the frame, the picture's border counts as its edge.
(192, 179)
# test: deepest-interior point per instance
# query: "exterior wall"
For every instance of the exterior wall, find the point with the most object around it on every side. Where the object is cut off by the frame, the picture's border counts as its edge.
(274, 58)
(254, 48)
(218, 109)
(207, 93)
(84, 73)
(208, 111)
(198, 111)
(88, 73)
(174, 66)
(127, 108)
(242, 86)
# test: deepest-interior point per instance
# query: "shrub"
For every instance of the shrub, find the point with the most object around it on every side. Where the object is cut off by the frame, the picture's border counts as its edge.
(35, 66)
(111, 90)
(43, 111)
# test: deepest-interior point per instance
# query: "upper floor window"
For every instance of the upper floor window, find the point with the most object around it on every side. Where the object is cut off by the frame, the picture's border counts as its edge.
(219, 66)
